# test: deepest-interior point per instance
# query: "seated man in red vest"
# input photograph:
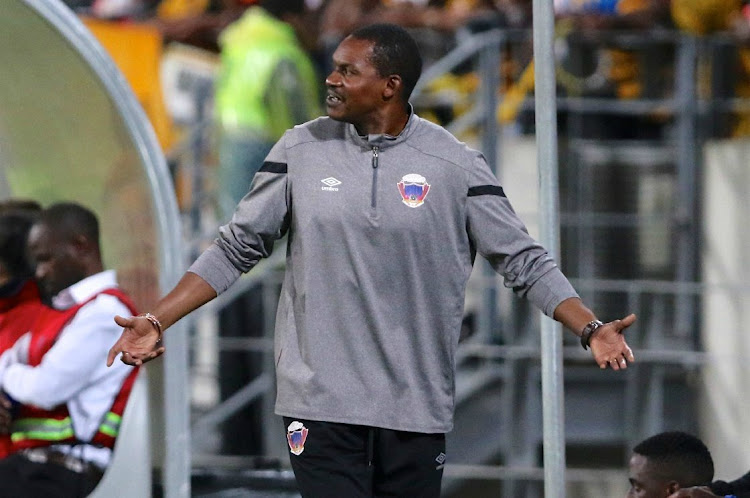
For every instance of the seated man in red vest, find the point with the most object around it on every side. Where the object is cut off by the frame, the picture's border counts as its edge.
(19, 297)
(67, 403)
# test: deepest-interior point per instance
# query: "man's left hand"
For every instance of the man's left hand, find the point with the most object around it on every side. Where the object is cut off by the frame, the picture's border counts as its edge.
(609, 347)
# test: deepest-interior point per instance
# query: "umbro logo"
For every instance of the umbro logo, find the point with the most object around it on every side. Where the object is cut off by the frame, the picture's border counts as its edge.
(330, 184)
(331, 181)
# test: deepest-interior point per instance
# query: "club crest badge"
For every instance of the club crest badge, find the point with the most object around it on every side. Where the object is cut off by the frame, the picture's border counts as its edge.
(413, 189)
(296, 434)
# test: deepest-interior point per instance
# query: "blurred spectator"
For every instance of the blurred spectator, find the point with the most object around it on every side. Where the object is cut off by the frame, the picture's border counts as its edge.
(625, 70)
(19, 296)
(197, 23)
(702, 17)
(662, 464)
(267, 83)
(705, 17)
(67, 405)
(618, 14)
(696, 17)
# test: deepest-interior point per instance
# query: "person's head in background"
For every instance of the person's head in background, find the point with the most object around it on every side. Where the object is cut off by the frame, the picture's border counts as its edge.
(16, 218)
(297, 15)
(374, 72)
(64, 247)
(667, 462)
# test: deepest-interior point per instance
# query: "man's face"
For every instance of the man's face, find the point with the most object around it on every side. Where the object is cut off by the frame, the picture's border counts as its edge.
(646, 481)
(56, 259)
(355, 90)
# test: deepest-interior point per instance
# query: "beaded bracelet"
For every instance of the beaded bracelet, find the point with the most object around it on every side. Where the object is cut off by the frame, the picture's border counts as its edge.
(155, 322)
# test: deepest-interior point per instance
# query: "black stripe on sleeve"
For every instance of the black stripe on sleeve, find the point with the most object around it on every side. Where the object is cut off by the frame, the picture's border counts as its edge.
(486, 190)
(271, 167)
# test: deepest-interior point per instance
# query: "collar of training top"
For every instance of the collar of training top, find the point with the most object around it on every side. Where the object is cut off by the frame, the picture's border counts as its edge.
(382, 140)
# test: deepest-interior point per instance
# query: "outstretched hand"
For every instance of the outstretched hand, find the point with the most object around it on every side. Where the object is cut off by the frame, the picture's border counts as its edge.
(140, 341)
(609, 347)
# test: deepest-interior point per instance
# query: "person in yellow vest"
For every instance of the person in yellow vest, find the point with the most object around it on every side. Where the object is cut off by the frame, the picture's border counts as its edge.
(267, 83)
(66, 407)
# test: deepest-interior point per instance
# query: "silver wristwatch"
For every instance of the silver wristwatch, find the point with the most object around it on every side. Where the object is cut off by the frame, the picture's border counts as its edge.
(588, 331)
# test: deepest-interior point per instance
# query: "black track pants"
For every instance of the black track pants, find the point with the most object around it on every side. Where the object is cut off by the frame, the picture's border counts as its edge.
(353, 461)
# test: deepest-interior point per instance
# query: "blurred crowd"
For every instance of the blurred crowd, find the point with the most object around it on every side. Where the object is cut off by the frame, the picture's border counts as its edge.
(199, 22)
(610, 70)
(269, 60)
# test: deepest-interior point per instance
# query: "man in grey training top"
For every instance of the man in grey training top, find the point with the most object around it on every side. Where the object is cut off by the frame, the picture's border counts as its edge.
(384, 213)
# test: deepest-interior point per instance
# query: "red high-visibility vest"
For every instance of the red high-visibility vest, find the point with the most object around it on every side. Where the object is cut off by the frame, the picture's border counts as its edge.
(34, 426)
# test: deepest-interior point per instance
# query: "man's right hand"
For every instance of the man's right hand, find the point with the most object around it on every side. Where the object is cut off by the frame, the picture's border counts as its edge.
(140, 341)
(141, 337)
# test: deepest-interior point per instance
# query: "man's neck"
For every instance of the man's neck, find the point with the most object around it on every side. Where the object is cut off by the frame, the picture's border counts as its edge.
(392, 123)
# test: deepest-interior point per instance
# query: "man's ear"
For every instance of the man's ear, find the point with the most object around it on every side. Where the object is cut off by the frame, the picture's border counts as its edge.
(672, 487)
(393, 85)
(83, 245)
(81, 242)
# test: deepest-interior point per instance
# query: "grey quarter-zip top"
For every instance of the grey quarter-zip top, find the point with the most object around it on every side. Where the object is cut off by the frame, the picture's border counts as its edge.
(382, 235)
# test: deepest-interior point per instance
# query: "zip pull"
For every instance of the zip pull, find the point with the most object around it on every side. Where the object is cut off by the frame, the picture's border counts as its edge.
(374, 193)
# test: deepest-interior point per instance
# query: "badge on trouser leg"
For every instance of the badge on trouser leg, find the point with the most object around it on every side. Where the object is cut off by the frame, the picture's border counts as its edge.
(440, 460)
(296, 434)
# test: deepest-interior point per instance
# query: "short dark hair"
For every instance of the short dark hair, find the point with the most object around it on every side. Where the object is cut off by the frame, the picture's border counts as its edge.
(70, 220)
(394, 51)
(679, 456)
(14, 230)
